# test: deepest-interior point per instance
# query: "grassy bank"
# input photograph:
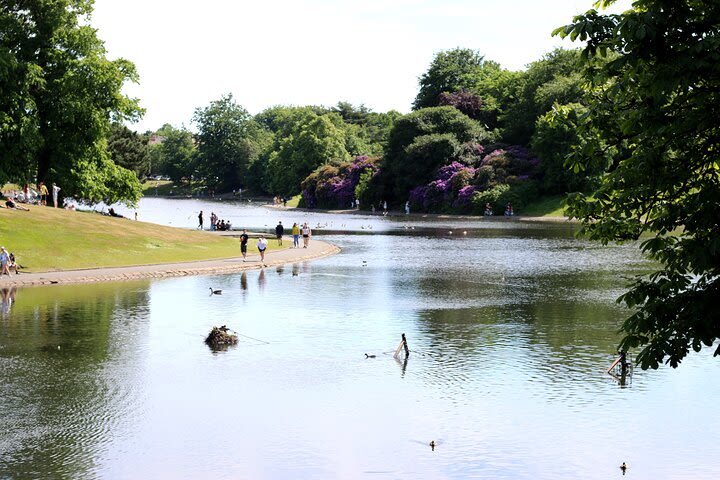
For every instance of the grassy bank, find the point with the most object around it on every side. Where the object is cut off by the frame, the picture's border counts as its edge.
(47, 239)
(545, 207)
(165, 188)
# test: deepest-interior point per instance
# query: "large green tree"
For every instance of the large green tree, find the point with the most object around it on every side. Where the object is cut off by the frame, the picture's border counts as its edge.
(422, 141)
(656, 100)
(304, 140)
(59, 94)
(176, 154)
(557, 134)
(554, 79)
(451, 71)
(129, 149)
(229, 141)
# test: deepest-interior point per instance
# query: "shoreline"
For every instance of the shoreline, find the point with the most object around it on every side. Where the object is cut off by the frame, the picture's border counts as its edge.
(316, 249)
(434, 216)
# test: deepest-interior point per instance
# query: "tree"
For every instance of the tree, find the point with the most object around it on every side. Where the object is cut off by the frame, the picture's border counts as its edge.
(451, 71)
(557, 134)
(176, 154)
(58, 96)
(422, 141)
(656, 101)
(467, 102)
(128, 149)
(305, 141)
(229, 141)
(556, 78)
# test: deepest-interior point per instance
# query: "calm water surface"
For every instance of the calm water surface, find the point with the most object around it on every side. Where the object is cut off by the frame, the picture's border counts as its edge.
(511, 328)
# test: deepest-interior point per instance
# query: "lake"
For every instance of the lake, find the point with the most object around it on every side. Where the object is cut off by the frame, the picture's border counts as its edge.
(511, 328)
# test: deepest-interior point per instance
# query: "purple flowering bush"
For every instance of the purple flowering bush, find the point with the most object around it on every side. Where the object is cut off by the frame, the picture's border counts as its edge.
(440, 194)
(335, 185)
(506, 173)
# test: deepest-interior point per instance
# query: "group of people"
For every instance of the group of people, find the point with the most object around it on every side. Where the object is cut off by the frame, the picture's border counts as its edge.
(7, 262)
(382, 205)
(296, 232)
(280, 201)
(262, 243)
(215, 224)
(29, 194)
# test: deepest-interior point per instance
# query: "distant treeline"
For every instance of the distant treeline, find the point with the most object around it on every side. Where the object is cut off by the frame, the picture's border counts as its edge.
(478, 134)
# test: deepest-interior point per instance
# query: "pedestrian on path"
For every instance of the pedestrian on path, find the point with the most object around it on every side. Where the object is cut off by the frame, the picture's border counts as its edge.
(296, 235)
(306, 234)
(262, 246)
(279, 230)
(200, 221)
(243, 244)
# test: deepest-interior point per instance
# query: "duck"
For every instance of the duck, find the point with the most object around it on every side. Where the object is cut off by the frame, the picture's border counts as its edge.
(215, 292)
(370, 356)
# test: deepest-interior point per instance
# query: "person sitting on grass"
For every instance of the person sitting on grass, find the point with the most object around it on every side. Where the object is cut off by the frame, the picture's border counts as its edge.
(10, 203)
(12, 265)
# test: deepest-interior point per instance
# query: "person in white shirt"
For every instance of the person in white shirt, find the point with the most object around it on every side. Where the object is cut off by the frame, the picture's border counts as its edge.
(306, 234)
(262, 246)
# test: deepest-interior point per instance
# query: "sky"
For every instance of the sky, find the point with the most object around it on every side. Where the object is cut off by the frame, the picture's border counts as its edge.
(312, 52)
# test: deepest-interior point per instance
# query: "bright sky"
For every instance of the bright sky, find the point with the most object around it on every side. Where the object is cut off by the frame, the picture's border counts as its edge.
(312, 52)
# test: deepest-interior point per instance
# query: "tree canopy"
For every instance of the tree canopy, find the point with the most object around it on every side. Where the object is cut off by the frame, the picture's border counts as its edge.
(59, 94)
(656, 100)
(229, 141)
(422, 141)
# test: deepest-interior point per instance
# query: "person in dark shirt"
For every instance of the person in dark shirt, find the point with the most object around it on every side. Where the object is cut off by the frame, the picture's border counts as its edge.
(279, 230)
(243, 244)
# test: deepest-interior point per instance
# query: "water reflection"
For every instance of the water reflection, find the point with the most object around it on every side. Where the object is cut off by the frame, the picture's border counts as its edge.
(68, 357)
(7, 296)
(509, 341)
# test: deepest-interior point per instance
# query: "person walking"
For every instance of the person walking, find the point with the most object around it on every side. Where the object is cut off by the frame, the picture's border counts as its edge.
(262, 246)
(55, 191)
(407, 207)
(296, 235)
(243, 244)
(213, 221)
(279, 230)
(200, 221)
(4, 260)
(306, 234)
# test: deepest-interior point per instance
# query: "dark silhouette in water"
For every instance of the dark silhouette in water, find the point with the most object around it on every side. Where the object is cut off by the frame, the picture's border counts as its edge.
(215, 292)
(369, 356)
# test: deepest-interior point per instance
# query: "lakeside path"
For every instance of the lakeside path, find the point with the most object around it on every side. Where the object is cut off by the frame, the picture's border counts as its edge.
(316, 249)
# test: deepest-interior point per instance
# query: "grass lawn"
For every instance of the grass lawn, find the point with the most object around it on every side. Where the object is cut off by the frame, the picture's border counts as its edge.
(545, 207)
(47, 239)
(165, 188)
(293, 202)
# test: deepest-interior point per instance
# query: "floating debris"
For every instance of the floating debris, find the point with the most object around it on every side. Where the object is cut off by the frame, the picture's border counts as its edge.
(220, 337)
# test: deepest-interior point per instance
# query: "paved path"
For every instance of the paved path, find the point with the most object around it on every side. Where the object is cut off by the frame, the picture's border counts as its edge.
(316, 249)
